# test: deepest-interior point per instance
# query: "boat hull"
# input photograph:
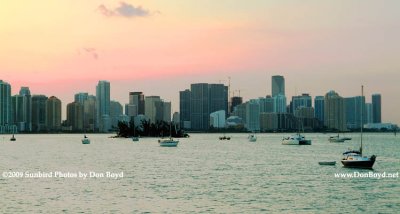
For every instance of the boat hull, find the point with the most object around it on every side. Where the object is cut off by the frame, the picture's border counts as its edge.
(296, 142)
(168, 143)
(85, 141)
(358, 164)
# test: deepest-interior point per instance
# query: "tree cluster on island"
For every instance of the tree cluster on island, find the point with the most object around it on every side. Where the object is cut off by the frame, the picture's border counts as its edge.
(147, 129)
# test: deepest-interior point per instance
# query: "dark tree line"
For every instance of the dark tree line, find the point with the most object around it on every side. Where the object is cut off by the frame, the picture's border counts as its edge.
(147, 129)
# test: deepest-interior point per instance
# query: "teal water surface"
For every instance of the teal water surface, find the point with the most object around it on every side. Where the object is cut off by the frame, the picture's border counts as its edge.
(201, 175)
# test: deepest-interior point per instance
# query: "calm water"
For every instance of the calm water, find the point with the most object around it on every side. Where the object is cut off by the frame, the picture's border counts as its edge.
(202, 175)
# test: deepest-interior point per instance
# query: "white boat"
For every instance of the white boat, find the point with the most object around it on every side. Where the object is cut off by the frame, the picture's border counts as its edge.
(336, 139)
(168, 142)
(354, 158)
(296, 139)
(85, 140)
(252, 138)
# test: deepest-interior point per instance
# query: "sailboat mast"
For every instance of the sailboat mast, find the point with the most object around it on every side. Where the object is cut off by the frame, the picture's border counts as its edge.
(361, 117)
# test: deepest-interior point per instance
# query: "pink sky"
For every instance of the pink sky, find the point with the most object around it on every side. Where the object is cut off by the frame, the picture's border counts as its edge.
(160, 47)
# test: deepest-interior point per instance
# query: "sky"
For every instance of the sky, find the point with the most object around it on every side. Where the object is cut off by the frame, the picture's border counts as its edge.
(59, 48)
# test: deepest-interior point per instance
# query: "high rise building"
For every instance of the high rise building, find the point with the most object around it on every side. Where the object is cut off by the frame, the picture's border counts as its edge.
(75, 116)
(278, 85)
(354, 105)
(206, 98)
(103, 105)
(199, 106)
(252, 115)
(300, 101)
(81, 97)
(153, 108)
(166, 106)
(334, 112)
(376, 108)
(184, 108)
(235, 101)
(26, 107)
(137, 99)
(115, 112)
(53, 114)
(218, 119)
(280, 103)
(319, 108)
(90, 113)
(5, 104)
(266, 104)
(369, 112)
(39, 113)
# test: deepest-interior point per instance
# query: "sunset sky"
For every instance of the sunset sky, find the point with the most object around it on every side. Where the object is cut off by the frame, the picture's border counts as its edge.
(160, 47)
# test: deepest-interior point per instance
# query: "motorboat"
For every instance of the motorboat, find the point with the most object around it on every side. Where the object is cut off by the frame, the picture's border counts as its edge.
(296, 139)
(85, 140)
(252, 138)
(224, 138)
(135, 139)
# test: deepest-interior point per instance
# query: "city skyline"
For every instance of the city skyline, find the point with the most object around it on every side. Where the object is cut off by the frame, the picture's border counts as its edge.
(62, 48)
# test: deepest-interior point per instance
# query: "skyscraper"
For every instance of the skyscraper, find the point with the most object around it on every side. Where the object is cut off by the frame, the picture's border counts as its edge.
(266, 104)
(115, 112)
(103, 105)
(376, 108)
(253, 115)
(5, 104)
(152, 108)
(319, 107)
(353, 107)
(53, 114)
(199, 106)
(369, 112)
(334, 112)
(137, 99)
(300, 101)
(26, 107)
(184, 108)
(81, 97)
(90, 113)
(235, 101)
(280, 103)
(39, 113)
(75, 116)
(205, 99)
(278, 85)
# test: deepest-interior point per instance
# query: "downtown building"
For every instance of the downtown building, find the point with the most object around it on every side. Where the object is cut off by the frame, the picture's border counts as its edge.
(354, 106)
(376, 108)
(156, 109)
(204, 99)
(39, 113)
(103, 106)
(334, 112)
(53, 114)
(22, 110)
(6, 119)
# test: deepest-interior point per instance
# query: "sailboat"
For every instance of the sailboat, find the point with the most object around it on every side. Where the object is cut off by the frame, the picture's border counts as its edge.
(13, 138)
(354, 158)
(296, 139)
(169, 142)
(85, 139)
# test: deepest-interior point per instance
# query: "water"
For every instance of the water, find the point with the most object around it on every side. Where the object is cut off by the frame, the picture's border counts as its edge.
(201, 175)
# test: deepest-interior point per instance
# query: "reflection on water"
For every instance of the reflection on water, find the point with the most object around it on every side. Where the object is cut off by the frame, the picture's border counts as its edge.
(203, 174)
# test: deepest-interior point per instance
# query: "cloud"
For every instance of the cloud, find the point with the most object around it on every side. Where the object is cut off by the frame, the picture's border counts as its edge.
(92, 52)
(125, 10)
